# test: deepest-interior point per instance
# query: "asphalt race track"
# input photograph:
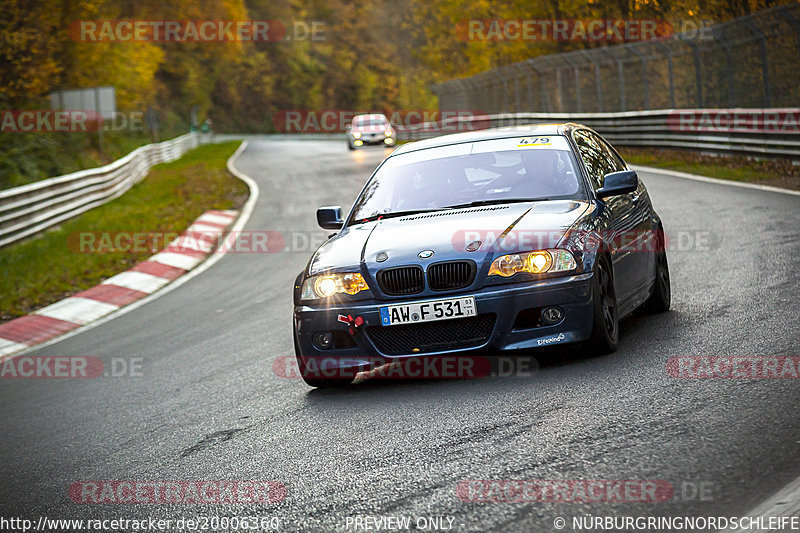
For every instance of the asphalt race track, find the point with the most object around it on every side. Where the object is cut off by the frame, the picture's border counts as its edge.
(209, 405)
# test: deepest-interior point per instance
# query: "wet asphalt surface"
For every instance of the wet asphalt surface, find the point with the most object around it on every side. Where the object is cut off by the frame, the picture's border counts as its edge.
(210, 405)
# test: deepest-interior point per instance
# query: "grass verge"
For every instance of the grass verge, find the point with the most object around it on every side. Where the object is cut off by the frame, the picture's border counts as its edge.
(44, 269)
(777, 172)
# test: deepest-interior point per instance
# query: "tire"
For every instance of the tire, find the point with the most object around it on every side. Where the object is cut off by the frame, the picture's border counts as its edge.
(659, 301)
(315, 381)
(605, 320)
(350, 146)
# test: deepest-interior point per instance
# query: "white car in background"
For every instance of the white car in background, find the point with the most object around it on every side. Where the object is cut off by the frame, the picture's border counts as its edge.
(370, 129)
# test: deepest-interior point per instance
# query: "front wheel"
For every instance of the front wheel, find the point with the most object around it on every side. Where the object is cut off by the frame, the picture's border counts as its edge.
(661, 298)
(605, 323)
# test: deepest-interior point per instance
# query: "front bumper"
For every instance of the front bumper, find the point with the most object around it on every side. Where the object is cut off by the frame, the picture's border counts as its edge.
(374, 138)
(506, 302)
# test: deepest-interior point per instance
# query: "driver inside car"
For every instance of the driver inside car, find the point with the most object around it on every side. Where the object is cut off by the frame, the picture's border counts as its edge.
(540, 174)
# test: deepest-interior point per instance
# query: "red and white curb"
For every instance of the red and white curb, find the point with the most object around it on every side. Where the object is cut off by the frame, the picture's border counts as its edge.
(180, 256)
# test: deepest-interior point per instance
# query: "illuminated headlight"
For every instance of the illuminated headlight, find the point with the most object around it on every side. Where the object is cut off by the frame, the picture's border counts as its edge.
(356, 135)
(388, 133)
(537, 262)
(326, 286)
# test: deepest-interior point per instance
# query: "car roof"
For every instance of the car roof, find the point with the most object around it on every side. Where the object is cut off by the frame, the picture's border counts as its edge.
(371, 116)
(489, 134)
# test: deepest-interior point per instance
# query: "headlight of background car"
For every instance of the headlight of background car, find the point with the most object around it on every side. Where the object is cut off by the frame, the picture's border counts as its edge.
(326, 286)
(537, 262)
(356, 135)
(388, 132)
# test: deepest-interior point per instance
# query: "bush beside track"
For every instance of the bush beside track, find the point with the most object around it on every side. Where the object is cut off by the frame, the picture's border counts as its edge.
(45, 269)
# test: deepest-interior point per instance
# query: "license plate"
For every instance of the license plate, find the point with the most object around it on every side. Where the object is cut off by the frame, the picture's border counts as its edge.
(415, 312)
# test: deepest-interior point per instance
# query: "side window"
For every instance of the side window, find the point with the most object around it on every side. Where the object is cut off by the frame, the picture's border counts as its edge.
(593, 157)
(615, 162)
(597, 156)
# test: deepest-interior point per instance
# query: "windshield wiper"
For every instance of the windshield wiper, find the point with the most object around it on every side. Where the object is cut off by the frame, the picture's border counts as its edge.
(394, 214)
(497, 201)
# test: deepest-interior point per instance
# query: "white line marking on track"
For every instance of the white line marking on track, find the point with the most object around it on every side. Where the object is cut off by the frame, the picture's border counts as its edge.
(247, 210)
(77, 310)
(785, 502)
(716, 181)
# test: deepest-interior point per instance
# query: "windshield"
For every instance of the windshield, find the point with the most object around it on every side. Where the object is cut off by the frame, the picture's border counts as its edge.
(461, 175)
(369, 121)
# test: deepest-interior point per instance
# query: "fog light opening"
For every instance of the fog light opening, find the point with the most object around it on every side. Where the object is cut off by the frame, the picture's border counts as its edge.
(552, 315)
(358, 143)
(322, 340)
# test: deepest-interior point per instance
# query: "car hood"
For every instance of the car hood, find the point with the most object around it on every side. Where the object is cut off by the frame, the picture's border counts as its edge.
(500, 229)
(371, 128)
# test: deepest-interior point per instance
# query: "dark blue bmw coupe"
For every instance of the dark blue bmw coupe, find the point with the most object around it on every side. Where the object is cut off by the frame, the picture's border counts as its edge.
(481, 242)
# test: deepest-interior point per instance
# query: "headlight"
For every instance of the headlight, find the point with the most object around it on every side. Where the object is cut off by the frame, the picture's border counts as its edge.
(356, 135)
(326, 286)
(388, 133)
(537, 262)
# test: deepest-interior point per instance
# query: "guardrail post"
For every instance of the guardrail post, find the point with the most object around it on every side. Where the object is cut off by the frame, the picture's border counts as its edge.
(698, 72)
(520, 70)
(645, 84)
(531, 86)
(598, 78)
(559, 90)
(569, 60)
(795, 24)
(668, 54)
(762, 50)
(620, 76)
(545, 99)
(472, 91)
(497, 96)
(726, 48)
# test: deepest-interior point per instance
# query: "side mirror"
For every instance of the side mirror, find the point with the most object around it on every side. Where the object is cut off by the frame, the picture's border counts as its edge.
(615, 183)
(330, 217)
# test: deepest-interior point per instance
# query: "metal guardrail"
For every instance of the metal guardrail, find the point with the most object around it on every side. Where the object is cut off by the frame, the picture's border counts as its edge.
(29, 209)
(654, 128)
